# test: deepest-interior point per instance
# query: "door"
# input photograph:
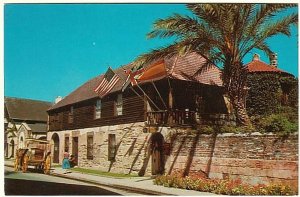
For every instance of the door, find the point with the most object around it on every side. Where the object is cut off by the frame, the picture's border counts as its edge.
(75, 148)
(55, 139)
(157, 141)
(156, 161)
(12, 145)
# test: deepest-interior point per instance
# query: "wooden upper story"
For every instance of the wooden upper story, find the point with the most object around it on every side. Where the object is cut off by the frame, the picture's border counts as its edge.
(174, 94)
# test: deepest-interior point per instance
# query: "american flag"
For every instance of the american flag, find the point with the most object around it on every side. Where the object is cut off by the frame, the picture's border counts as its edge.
(108, 82)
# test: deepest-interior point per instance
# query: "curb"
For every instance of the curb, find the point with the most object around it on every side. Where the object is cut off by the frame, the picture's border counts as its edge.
(116, 186)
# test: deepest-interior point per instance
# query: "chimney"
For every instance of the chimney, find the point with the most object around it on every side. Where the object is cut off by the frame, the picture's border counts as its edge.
(273, 60)
(59, 98)
(256, 57)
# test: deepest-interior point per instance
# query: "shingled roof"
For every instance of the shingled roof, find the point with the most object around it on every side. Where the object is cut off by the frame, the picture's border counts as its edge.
(37, 127)
(182, 68)
(27, 109)
(256, 65)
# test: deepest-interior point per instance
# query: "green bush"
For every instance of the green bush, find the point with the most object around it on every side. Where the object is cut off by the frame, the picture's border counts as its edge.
(225, 187)
(277, 123)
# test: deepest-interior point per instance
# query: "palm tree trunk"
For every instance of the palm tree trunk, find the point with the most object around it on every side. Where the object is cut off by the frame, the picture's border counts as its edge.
(241, 112)
(234, 79)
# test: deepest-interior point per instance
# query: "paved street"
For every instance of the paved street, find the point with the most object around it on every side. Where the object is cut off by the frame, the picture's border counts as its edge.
(35, 183)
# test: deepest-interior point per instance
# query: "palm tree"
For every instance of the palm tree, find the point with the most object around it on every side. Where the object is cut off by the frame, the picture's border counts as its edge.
(224, 34)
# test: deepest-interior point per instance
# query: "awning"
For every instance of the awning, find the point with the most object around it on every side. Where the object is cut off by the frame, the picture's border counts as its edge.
(154, 72)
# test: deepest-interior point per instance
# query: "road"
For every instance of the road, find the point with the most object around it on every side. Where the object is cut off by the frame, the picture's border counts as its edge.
(35, 183)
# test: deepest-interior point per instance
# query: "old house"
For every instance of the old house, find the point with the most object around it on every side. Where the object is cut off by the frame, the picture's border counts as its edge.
(152, 127)
(122, 131)
(23, 119)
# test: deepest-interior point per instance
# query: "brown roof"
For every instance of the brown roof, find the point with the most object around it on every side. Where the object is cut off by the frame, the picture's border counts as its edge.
(176, 69)
(259, 66)
(190, 64)
(38, 127)
(27, 109)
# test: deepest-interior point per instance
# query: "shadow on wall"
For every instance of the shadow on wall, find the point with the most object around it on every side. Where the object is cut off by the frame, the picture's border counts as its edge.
(130, 150)
(212, 150)
(117, 148)
(174, 139)
(191, 155)
(186, 171)
(139, 152)
(145, 160)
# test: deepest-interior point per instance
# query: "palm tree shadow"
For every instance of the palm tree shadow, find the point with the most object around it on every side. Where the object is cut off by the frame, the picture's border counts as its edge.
(190, 158)
(118, 145)
(138, 154)
(213, 144)
(177, 153)
(145, 160)
(131, 148)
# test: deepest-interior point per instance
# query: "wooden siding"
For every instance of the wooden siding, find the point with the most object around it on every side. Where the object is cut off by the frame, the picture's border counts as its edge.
(84, 113)
(134, 107)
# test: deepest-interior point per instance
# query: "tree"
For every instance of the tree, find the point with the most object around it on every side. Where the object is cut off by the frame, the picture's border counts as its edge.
(224, 34)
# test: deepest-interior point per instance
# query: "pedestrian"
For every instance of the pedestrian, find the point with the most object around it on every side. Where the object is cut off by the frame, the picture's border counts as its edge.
(72, 161)
(65, 162)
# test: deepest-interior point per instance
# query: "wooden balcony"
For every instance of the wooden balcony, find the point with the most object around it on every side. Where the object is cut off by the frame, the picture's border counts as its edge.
(187, 118)
(171, 118)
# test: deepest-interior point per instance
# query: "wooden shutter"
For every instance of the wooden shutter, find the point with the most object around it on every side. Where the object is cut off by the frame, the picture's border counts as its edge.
(111, 147)
(90, 139)
(66, 143)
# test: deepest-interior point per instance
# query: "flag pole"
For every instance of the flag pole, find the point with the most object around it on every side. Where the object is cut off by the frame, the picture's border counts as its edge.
(148, 97)
(136, 93)
(159, 94)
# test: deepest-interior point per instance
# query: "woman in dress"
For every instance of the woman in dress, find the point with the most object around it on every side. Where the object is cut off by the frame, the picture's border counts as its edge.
(65, 162)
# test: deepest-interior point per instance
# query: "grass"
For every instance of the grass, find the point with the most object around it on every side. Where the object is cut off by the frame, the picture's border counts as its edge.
(101, 173)
(56, 166)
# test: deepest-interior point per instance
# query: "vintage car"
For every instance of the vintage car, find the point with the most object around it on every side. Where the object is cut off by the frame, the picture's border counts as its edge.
(36, 153)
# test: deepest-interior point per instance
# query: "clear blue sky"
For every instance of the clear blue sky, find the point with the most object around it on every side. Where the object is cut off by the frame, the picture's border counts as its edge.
(50, 50)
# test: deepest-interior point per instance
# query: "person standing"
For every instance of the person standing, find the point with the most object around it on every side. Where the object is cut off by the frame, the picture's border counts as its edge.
(72, 161)
(65, 162)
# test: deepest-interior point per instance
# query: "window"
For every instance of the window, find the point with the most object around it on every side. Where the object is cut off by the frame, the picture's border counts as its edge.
(119, 105)
(71, 113)
(90, 139)
(98, 109)
(67, 143)
(111, 147)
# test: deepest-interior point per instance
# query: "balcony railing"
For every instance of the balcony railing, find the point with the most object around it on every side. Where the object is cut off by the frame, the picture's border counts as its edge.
(184, 118)
(176, 117)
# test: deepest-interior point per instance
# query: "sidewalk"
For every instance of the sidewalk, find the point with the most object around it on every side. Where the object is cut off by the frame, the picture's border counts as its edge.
(136, 184)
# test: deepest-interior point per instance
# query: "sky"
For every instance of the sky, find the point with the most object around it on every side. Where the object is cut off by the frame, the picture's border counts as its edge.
(52, 49)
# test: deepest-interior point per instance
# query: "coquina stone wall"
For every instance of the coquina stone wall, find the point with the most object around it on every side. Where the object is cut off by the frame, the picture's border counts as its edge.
(132, 148)
(254, 158)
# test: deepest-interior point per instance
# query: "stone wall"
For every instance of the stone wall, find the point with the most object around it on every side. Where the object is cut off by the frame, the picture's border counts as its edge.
(254, 158)
(132, 151)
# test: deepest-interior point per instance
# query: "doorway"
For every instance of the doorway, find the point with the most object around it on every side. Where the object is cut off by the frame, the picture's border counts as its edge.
(12, 145)
(55, 139)
(75, 148)
(157, 153)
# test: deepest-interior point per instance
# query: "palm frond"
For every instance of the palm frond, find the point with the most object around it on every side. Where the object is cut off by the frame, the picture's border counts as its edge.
(279, 26)
(263, 14)
(265, 48)
(176, 25)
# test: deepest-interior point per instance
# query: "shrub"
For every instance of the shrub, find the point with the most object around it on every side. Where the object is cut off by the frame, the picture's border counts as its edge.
(277, 123)
(225, 187)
